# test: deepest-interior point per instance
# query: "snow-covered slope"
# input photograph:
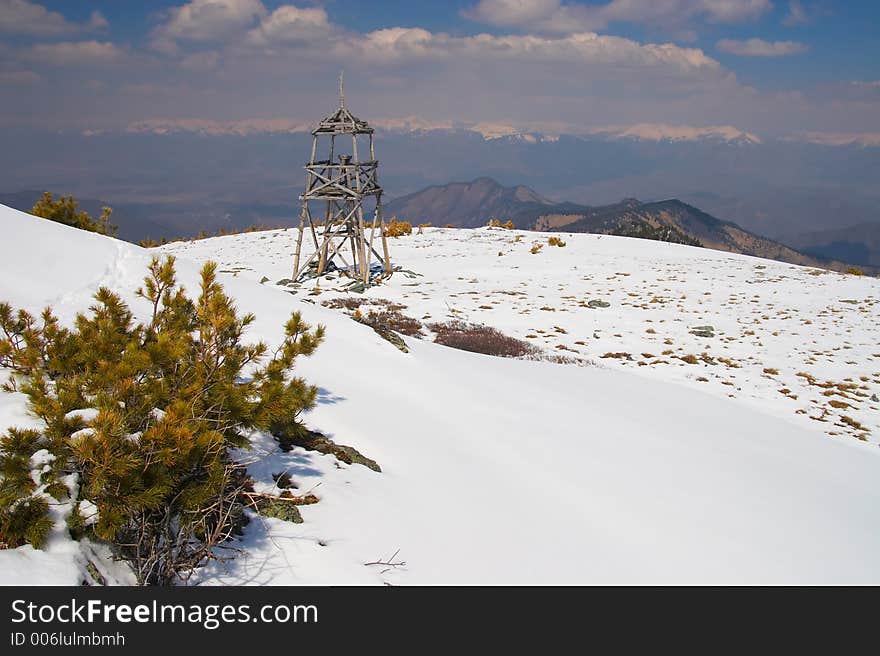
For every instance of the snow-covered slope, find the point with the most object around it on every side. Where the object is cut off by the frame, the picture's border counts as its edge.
(512, 471)
(796, 342)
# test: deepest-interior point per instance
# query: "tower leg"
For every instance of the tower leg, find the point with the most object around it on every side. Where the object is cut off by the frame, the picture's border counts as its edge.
(328, 222)
(385, 249)
(362, 242)
(299, 240)
(370, 248)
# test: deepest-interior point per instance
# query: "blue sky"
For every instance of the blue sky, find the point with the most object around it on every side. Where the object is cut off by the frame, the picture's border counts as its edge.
(772, 67)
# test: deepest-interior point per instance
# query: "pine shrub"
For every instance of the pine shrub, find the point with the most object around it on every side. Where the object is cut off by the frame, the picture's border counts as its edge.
(66, 210)
(144, 420)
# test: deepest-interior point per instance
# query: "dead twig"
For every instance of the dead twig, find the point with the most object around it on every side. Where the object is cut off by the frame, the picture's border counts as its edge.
(389, 563)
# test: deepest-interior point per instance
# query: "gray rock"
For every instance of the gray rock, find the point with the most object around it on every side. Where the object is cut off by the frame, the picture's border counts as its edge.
(703, 331)
(315, 441)
(280, 510)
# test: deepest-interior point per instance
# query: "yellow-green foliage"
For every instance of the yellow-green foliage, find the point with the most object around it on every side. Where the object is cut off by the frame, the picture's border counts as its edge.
(855, 271)
(556, 241)
(536, 248)
(508, 225)
(397, 228)
(66, 210)
(171, 403)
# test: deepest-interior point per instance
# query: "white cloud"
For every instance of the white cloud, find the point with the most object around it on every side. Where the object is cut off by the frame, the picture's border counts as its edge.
(761, 48)
(572, 82)
(25, 17)
(201, 62)
(290, 24)
(97, 21)
(797, 14)
(207, 20)
(289, 31)
(557, 17)
(398, 44)
(75, 53)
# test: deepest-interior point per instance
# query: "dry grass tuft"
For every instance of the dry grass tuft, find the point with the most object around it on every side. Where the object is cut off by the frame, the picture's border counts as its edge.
(398, 228)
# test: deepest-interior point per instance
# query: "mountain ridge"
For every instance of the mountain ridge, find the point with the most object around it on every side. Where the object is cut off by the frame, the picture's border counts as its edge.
(473, 204)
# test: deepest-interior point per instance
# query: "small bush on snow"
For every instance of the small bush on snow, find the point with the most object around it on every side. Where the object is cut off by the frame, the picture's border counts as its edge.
(170, 405)
(480, 339)
(397, 228)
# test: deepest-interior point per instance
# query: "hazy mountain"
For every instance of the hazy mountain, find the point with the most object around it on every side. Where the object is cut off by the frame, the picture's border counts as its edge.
(470, 204)
(191, 177)
(859, 244)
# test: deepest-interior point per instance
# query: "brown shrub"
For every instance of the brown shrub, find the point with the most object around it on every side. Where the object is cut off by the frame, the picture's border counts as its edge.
(493, 223)
(399, 323)
(480, 339)
(556, 241)
(508, 225)
(621, 355)
(397, 228)
(346, 302)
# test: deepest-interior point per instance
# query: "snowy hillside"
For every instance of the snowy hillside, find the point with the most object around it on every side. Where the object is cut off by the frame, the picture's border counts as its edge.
(792, 341)
(598, 470)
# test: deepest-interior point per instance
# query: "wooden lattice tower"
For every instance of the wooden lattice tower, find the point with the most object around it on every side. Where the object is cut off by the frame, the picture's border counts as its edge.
(338, 183)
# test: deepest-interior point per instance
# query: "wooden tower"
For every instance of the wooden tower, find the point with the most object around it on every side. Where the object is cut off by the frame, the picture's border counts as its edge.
(337, 185)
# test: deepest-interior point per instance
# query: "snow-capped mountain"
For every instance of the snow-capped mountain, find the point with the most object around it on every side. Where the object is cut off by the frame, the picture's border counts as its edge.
(680, 133)
(487, 129)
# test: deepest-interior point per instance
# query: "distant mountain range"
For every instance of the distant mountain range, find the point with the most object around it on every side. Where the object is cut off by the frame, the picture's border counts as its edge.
(859, 244)
(473, 204)
(174, 179)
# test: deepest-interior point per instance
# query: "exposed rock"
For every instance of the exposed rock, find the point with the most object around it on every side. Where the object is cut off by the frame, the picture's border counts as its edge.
(284, 510)
(595, 303)
(703, 331)
(384, 331)
(97, 577)
(314, 441)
